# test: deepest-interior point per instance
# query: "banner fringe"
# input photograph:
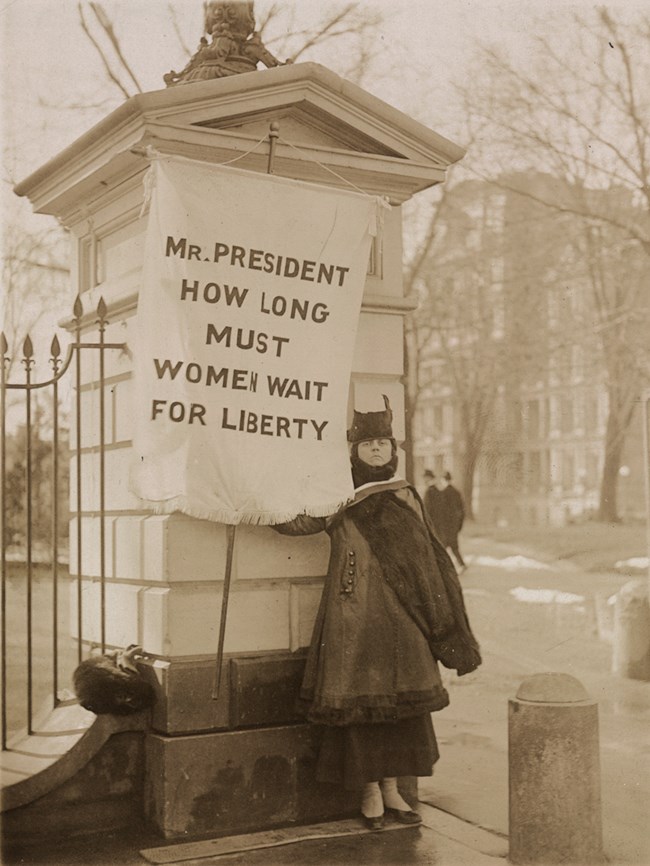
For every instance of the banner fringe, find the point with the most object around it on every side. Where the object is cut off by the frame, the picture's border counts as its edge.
(235, 518)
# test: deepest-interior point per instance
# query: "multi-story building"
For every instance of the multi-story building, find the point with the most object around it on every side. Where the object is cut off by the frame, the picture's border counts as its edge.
(514, 381)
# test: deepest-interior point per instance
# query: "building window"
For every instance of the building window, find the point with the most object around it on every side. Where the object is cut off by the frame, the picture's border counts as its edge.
(568, 471)
(438, 419)
(592, 463)
(534, 474)
(591, 412)
(533, 421)
(516, 417)
(546, 421)
(566, 415)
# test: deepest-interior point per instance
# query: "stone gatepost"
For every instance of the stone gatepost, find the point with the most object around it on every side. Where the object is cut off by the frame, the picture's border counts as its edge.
(245, 760)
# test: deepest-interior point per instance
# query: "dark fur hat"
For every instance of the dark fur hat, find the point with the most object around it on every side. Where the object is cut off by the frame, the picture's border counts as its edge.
(372, 425)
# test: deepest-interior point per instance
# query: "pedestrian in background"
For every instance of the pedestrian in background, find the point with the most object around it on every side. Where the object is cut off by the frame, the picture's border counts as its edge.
(449, 518)
(431, 498)
(392, 608)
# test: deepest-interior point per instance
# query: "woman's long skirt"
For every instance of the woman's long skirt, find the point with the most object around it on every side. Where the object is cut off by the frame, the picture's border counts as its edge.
(352, 755)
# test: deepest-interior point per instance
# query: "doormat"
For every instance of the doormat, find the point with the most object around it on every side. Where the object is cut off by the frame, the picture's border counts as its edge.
(169, 854)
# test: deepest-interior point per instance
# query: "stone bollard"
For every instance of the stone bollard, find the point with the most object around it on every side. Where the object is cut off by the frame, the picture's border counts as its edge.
(554, 773)
(631, 643)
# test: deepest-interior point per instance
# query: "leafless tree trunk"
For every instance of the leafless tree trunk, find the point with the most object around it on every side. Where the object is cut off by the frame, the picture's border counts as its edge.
(582, 117)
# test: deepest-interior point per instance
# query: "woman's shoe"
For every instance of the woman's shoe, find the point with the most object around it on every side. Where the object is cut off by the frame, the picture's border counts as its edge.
(404, 816)
(373, 823)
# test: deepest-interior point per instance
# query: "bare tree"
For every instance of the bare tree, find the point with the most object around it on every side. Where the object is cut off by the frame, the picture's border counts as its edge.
(35, 281)
(582, 116)
(458, 336)
(417, 329)
(348, 30)
(618, 282)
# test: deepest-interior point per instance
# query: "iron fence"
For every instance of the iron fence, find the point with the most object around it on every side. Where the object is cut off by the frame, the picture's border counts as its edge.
(25, 390)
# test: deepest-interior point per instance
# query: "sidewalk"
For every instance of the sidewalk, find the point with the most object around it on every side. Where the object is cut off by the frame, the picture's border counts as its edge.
(519, 638)
(441, 840)
(465, 804)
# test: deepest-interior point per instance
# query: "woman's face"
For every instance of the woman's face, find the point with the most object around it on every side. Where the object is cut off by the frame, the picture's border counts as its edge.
(375, 452)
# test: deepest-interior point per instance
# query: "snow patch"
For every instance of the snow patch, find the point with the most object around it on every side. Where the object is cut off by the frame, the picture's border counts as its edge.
(640, 562)
(510, 563)
(545, 596)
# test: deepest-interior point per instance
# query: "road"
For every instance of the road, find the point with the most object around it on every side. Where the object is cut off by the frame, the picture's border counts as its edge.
(531, 619)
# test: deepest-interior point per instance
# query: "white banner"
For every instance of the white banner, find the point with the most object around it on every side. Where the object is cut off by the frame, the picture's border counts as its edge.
(247, 319)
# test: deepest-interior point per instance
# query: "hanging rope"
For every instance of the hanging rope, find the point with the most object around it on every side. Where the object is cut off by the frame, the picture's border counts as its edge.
(150, 152)
(304, 154)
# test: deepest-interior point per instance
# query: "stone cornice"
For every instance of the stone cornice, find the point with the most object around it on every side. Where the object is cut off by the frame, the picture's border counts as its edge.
(375, 137)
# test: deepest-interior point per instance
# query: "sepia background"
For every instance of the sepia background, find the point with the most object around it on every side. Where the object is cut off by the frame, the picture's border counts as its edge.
(527, 359)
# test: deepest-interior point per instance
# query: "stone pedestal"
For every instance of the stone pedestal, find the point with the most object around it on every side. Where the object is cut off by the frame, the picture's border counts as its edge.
(163, 575)
(554, 773)
(631, 638)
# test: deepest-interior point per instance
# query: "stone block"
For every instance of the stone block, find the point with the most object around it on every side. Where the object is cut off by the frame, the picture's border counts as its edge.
(90, 546)
(262, 553)
(122, 252)
(184, 620)
(122, 410)
(126, 543)
(154, 547)
(257, 620)
(122, 613)
(254, 690)
(155, 634)
(185, 704)
(116, 479)
(117, 468)
(106, 794)
(378, 347)
(90, 411)
(264, 691)
(195, 550)
(236, 781)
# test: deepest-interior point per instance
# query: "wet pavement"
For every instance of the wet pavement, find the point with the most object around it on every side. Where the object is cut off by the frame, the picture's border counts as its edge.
(465, 803)
(519, 638)
(441, 840)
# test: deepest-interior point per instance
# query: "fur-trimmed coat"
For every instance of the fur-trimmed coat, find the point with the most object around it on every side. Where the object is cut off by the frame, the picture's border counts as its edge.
(392, 607)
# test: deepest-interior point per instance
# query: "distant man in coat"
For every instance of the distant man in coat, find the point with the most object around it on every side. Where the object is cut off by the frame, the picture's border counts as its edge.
(430, 499)
(448, 517)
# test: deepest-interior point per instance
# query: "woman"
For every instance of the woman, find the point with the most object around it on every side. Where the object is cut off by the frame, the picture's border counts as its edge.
(391, 609)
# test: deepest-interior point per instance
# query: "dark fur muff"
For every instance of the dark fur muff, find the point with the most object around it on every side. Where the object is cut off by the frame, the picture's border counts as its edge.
(111, 684)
